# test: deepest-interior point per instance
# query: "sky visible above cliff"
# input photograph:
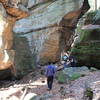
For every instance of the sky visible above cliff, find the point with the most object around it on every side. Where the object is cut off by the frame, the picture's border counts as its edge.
(92, 4)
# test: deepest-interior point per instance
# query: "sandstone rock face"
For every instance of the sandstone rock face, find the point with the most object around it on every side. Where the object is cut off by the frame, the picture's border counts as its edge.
(6, 43)
(88, 42)
(32, 3)
(50, 27)
(43, 29)
(12, 9)
(7, 53)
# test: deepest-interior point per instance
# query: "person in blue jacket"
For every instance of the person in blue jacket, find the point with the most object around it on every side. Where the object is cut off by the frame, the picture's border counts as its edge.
(50, 72)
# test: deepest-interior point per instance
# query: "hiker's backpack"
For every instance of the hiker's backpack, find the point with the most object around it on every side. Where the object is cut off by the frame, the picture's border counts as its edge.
(50, 70)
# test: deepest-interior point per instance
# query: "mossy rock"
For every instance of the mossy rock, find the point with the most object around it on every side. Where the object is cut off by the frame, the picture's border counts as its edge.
(24, 60)
(90, 17)
(87, 54)
(61, 77)
(75, 76)
(87, 49)
(96, 19)
(92, 69)
(89, 93)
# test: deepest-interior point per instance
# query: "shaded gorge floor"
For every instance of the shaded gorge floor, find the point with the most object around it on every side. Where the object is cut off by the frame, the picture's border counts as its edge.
(33, 86)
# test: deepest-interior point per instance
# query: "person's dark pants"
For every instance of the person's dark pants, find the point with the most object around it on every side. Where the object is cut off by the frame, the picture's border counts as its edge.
(50, 82)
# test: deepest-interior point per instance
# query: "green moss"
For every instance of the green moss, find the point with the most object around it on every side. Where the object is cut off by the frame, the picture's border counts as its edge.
(87, 53)
(89, 93)
(84, 35)
(61, 77)
(90, 48)
(24, 60)
(75, 76)
(91, 14)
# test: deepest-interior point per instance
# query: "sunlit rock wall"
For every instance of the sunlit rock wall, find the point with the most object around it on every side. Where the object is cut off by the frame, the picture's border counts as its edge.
(50, 26)
(6, 42)
(37, 31)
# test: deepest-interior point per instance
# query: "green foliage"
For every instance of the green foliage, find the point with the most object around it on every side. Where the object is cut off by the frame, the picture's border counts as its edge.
(89, 93)
(75, 76)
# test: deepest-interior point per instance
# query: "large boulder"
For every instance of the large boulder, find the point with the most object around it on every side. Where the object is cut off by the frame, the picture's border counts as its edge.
(87, 48)
(6, 43)
(71, 74)
(86, 88)
(24, 60)
(46, 28)
(43, 29)
(7, 52)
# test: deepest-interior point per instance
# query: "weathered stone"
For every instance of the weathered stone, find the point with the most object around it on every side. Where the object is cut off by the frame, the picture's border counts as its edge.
(95, 87)
(23, 8)
(32, 3)
(47, 38)
(3, 11)
(79, 86)
(24, 60)
(7, 59)
(5, 74)
(76, 70)
(50, 50)
(13, 10)
(53, 12)
(30, 96)
(6, 42)
(88, 43)
(97, 18)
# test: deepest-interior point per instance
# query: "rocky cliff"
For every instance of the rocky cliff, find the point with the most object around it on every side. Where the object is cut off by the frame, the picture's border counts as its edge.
(88, 44)
(36, 31)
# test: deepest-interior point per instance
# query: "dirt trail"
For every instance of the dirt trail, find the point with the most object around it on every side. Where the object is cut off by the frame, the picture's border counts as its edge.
(32, 83)
(35, 84)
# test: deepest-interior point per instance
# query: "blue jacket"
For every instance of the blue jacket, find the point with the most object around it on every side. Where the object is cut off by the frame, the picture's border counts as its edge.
(50, 70)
